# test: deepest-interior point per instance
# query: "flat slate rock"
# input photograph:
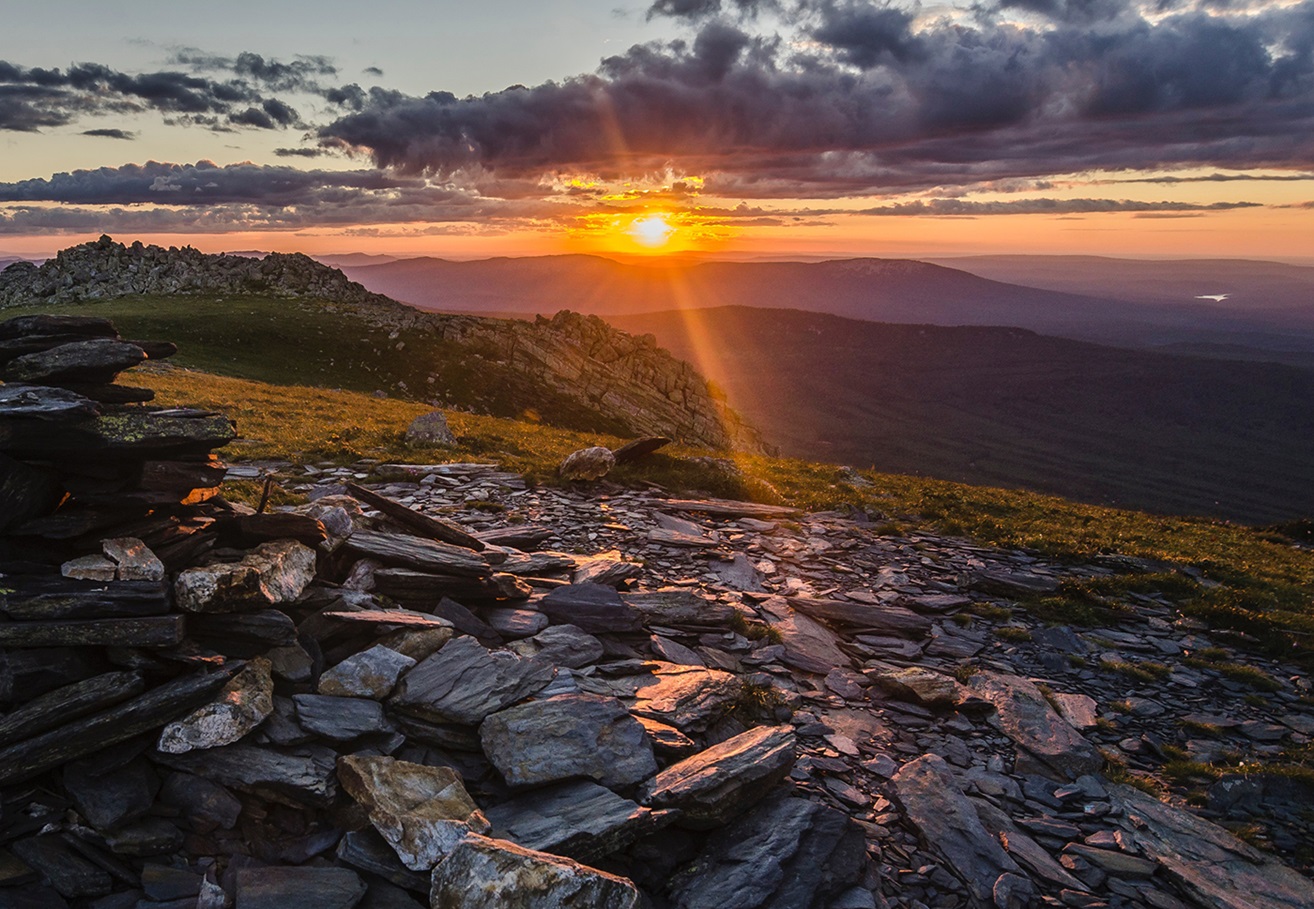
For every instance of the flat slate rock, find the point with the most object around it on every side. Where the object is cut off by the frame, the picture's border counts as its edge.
(40, 402)
(785, 852)
(371, 673)
(484, 873)
(715, 785)
(420, 554)
(298, 888)
(809, 645)
(567, 737)
(1027, 718)
(108, 798)
(562, 645)
(949, 826)
(677, 607)
(340, 719)
(464, 682)
(591, 607)
(422, 812)
(1210, 865)
(579, 819)
(689, 698)
(882, 619)
(96, 360)
(305, 774)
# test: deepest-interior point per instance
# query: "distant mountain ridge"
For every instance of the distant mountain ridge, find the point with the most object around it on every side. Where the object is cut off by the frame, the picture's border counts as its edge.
(878, 290)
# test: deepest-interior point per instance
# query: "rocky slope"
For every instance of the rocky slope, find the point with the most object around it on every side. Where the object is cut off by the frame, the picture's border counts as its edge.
(570, 363)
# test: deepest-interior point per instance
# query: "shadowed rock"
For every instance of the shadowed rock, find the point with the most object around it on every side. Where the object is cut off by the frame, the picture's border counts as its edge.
(713, 786)
(483, 873)
(298, 888)
(568, 736)
(370, 674)
(240, 707)
(579, 819)
(949, 826)
(463, 683)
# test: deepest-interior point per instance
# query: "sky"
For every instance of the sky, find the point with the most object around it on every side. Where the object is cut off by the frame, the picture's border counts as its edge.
(1148, 128)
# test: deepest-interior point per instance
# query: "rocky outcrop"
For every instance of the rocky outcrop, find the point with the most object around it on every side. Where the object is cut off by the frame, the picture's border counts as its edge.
(569, 364)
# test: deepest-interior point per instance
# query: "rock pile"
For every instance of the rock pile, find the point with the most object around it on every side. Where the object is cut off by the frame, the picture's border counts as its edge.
(104, 269)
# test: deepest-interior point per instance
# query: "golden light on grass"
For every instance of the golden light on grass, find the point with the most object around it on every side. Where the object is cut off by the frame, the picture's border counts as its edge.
(652, 230)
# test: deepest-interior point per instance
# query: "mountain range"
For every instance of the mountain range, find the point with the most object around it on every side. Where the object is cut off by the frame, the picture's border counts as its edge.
(1265, 306)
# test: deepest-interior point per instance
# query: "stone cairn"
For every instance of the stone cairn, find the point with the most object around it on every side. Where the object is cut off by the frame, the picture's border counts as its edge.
(201, 708)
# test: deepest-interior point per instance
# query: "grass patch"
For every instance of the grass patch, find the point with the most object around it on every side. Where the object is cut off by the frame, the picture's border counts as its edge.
(1209, 730)
(1013, 634)
(1142, 672)
(1251, 676)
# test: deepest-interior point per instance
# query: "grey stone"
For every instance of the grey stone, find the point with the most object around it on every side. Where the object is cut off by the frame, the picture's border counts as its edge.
(340, 719)
(240, 707)
(515, 623)
(1212, 867)
(134, 561)
(566, 737)
(430, 429)
(687, 697)
(421, 811)
(715, 785)
(110, 798)
(917, 684)
(272, 574)
(587, 464)
(298, 888)
(372, 673)
(484, 873)
(1027, 718)
(464, 683)
(208, 806)
(304, 774)
(949, 826)
(562, 645)
(592, 608)
(579, 819)
(785, 852)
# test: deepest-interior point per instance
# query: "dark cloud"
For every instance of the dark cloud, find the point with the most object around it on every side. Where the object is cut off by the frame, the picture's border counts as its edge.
(207, 198)
(372, 71)
(301, 74)
(301, 152)
(959, 207)
(872, 99)
(110, 133)
(36, 98)
(702, 9)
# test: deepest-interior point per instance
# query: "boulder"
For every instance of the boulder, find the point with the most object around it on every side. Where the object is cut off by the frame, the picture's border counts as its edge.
(949, 826)
(562, 645)
(566, 737)
(1027, 719)
(272, 574)
(715, 785)
(587, 464)
(430, 429)
(240, 707)
(464, 682)
(484, 873)
(423, 812)
(578, 819)
(370, 674)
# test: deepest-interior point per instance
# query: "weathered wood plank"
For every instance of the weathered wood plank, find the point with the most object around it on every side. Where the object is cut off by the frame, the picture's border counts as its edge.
(421, 554)
(423, 524)
(390, 617)
(63, 705)
(80, 738)
(156, 631)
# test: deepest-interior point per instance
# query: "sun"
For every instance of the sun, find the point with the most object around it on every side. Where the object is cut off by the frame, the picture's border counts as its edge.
(651, 231)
